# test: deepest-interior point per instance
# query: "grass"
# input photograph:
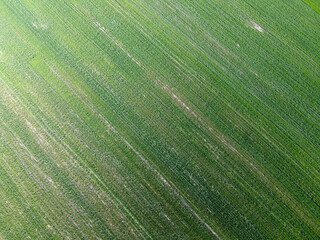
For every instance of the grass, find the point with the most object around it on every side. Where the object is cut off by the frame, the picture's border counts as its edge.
(159, 119)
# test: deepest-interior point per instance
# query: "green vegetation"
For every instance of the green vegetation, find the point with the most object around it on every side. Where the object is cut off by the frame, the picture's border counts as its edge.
(149, 119)
(314, 4)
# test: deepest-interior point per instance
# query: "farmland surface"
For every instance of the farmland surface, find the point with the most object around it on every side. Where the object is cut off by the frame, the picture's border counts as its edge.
(159, 119)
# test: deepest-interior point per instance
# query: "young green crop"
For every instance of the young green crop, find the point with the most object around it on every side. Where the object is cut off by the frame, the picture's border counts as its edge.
(159, 119)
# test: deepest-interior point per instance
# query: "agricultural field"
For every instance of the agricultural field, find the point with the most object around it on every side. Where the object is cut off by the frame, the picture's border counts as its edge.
(159, 119)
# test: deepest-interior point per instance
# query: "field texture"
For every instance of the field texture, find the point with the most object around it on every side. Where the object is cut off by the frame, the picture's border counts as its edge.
(159, 119)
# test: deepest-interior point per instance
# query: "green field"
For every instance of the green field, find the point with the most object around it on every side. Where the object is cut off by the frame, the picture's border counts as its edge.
(159, 119)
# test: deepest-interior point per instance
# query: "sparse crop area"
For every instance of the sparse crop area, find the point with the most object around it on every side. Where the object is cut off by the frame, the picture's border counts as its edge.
(159, 119)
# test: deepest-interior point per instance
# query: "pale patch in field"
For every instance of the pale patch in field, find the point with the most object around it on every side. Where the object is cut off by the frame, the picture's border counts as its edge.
(40, 138)
(40, 25)
(213, 149)
(255, 26)
(254, 73)
(212, 39)
(166, 217)
(96, 71)
(229, 146)
(106, 32)
(49, 227)
(181, 102)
